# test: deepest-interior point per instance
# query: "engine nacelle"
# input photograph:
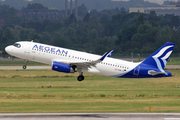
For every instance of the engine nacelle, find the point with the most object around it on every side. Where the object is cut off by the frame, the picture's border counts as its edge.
(61, 67)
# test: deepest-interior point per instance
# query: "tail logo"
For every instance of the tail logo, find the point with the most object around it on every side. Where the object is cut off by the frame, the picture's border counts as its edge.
(161, 57)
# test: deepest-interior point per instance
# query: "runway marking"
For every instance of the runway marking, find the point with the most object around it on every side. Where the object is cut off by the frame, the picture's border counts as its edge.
(172, 118)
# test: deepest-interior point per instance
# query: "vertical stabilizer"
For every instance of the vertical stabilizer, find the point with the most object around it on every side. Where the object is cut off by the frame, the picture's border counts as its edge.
(160, 57)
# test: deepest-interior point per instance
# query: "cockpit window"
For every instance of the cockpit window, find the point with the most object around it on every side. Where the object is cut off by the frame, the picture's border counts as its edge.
(17, 45)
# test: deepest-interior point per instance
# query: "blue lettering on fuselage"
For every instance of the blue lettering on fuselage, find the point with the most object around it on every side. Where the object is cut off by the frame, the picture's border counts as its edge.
(46, 48)
(41, 47)
(35, 46)
(58, 51)
(53, 49)
(65, 52)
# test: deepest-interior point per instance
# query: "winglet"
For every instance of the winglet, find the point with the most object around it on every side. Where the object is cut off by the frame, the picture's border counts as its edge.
(110, 53)
(102, 58)
(106, 55)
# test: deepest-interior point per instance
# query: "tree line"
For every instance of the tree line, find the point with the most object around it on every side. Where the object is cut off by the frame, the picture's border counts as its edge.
(97, 32)
(90, 4)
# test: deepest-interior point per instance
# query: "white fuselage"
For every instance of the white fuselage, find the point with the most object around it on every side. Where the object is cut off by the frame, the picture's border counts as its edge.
(47, 54)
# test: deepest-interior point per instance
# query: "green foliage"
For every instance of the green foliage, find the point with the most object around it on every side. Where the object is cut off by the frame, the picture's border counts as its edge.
(86, 17)
(82, 10)
(8, 35)
(35, 6)
(175, 20)
(146, 36)
(140, 19)
(94, 4)
(9, 14)
(94, 31)
(72, 19)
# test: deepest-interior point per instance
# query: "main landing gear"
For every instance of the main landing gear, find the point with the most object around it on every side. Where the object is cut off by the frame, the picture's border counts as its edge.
(80, 77)
(24, 66)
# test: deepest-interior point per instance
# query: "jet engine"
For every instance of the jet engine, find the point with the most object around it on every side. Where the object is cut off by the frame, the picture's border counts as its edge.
(61, 67)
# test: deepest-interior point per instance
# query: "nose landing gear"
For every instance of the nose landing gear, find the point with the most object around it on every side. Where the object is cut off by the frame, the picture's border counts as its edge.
(24, 66)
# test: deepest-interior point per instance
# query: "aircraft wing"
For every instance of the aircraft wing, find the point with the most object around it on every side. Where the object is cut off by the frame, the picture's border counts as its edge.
(87, 64)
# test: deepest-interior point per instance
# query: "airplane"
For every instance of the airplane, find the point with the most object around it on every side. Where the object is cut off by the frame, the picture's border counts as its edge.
(71, 61)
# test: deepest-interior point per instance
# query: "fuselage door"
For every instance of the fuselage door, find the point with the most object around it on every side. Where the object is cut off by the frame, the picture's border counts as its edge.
(27, 51)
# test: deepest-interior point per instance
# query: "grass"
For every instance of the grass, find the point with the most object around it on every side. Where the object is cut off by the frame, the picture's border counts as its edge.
(47, 91)
(174, 61)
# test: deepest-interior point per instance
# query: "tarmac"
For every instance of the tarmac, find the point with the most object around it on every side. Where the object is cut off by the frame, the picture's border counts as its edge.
(28, 67)
(90, 116)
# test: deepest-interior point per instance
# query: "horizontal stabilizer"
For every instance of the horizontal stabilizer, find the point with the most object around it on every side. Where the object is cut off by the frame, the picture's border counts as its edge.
(152, 72)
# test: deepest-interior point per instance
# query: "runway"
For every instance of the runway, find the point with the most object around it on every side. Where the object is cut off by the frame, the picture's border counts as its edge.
(28, 67)
(90, 116)
(49, 67)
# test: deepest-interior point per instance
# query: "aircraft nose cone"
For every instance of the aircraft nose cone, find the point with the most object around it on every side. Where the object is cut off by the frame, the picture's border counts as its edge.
(8, 49)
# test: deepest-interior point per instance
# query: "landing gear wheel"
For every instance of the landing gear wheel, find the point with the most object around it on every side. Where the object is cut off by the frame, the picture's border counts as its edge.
(80, 78)
(24, 66)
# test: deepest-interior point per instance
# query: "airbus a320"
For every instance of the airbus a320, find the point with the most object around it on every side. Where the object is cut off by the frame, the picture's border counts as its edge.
(70, 61)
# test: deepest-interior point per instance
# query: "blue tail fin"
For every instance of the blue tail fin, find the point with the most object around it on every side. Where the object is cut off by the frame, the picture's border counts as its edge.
(160, 57)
